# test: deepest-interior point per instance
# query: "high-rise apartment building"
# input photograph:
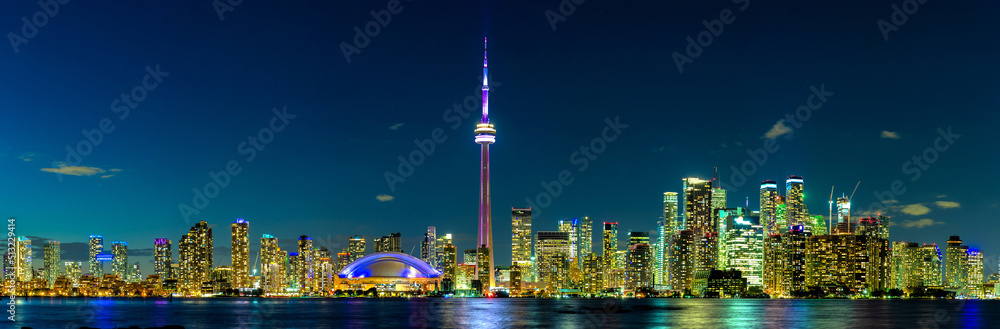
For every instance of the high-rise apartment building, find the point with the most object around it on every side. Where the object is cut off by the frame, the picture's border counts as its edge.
(241, 254)
(96, 247)
(610, 241)
(389, 243)
(552, 254)
(639, 263)
(162, 258)
(795, 201)
(306, 265)
(119, 265)
(520, 222)
(52, 261)
(769, 207)
(699, 218)
(195, 261)
(428, 247)
(356, 247)
(272, 262)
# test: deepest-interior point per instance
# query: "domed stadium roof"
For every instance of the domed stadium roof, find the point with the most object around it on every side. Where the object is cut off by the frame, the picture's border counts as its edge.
(388, 264)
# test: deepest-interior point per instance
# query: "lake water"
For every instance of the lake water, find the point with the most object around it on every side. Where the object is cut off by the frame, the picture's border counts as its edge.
(492, 313)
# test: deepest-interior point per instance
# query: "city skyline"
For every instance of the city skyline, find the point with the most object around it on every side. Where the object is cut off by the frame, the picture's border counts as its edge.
(877, 119)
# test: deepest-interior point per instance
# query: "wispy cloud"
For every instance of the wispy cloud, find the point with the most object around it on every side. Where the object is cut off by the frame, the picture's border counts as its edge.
(62, 168)
(107, 176)
(890, 134)
(916, 209)
(384, 197)
(921, 223)
(778, 129)
(28, 157)
(396, 126)
(942, 196)
(947, 204)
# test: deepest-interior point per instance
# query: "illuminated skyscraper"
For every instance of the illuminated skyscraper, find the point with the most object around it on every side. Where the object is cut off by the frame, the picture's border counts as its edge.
(795, 201)
(915, 265)
(769, 207)
(843, 210)
(470, 256)
(449, 261)
(485, 135)
(795, 252)
(585, 239)
(306, 265)
(878, 252)
(520, 219)
(96, 247)
(73, 272)
(343, 258)
(775, 262)
(439, 245)
(974, 273)
(195, 261)
(593, 273)
(639, 264)
(119, 266)
(356, 247)
(134, 273)
(428, 247)
(682, 261)
(389, 243)
(742, 246)
(699, 219)
(162, 258)
(660, 254)
(956, 263)
(839, 261)
(610, 241)
(671, 225)
(272, 259)
(241, 254)
(52, 260)
(572, 227)
(552, 252)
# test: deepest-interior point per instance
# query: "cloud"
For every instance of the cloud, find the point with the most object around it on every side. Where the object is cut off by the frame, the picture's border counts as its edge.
(778, 129)
(890, 134)
(62, 168)
(916, 209)
(396, 126)
(922, 223)
(942, 196)
(114, 170)
(384, 197)
(947, 204)
(107, 176)
(28, 157)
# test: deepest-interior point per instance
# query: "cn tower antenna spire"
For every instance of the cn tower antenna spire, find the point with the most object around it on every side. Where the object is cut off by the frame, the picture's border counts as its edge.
(485, 135)
(486, 88)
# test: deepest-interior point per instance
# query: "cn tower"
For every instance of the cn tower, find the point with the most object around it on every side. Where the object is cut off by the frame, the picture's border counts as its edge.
(485, 135)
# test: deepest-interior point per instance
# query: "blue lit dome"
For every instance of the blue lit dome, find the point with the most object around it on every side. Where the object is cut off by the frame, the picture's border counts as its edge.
(388, 265)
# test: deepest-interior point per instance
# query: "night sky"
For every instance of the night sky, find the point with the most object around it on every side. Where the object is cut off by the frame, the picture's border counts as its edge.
(323, 173)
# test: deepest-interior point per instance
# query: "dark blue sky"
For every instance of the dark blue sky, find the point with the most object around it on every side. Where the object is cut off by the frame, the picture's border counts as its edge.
(552, 91)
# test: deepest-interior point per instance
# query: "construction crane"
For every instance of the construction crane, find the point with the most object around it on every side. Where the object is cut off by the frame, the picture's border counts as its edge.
(829, 217)
(851, 199)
